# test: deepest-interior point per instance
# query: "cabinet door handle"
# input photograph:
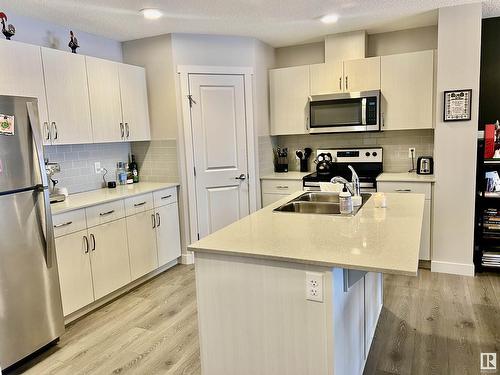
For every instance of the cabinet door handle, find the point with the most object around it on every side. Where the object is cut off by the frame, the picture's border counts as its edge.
(47, 130)
(92, 240)
(128, 129)
(282, 187)
(54, 128)
(166, 196)
(106, 213)
(340, 83)
(158, 219)
(346, 83)
(139, 204)
(63, 224)
(403, 190)
(86, 240)
(122, 130)
(153, 221)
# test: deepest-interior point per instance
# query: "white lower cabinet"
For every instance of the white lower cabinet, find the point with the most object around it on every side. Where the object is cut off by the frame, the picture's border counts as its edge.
(373, 304)
(75, 275)
(274, 190)
(102, 248)
(141, 234)
(418, 188)
(109, 257)
(168, 238)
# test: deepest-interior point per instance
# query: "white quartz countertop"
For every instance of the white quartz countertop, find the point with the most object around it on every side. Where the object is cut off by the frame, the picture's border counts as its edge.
(405, 177)
(292, 175)
(94, 197)
(375, 239)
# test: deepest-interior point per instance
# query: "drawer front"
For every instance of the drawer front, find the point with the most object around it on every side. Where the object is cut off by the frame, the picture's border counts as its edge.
(406, 187)
(165, 196)
(268, 198)
(281, 186)
(138, 204)
(104, 213)
(69, 222)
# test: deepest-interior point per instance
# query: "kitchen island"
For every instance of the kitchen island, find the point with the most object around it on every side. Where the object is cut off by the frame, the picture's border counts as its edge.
(289, 293)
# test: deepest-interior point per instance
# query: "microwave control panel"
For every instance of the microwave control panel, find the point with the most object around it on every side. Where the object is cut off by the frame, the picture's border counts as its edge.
(371, 111)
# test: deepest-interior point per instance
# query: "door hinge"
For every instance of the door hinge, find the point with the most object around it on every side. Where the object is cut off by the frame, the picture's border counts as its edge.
(191, 100)
(198, 236)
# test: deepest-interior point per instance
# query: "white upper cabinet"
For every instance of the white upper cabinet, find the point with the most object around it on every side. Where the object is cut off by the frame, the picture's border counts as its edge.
(362, 74)
(289, 98)
(134, 97)
(326, 78)
(22, 75)
(407, 84)
(67, 97)
(105, 102)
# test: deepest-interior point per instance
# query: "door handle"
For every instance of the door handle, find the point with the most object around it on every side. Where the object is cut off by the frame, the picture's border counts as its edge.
(347, 83)
(122, 130)
(153, 221)
(340, 83)
(92, 240)
(46, 128)
(63, 224)
(54, 128)
(47, 216)
(241, 177)
(106, 213)
(86, 240)
(158, 220)
(127, 129)
(139, 204)
(403, 190)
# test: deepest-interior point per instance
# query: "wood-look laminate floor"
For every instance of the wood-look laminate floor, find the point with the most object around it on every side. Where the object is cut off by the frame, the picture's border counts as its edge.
(430, 324)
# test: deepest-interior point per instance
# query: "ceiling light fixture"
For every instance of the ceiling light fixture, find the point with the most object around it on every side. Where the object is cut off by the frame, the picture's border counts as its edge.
(329, 18)
(151, 13)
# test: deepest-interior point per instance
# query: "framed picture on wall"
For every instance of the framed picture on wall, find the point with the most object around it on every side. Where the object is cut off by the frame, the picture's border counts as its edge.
(457, 105)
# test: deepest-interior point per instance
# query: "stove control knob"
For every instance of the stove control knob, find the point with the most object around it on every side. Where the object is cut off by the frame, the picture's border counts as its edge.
(367, 153)
(374, 153)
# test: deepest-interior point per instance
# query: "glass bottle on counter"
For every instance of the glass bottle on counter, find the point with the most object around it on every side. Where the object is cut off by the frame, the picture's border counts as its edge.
(121, 173)
(134, 169)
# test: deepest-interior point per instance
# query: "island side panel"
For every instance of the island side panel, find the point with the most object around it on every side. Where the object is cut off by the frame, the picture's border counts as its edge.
(254, 317)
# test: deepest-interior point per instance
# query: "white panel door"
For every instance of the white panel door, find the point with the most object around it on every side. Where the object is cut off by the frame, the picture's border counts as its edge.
(73, 262)
(142, 243)
(134, 96)
(109, 257)
(67, 97)
(105, 102)
(362, 74)
(220, 153)
(407, 84)
(326, 78)
(22, 75)
(168, 235)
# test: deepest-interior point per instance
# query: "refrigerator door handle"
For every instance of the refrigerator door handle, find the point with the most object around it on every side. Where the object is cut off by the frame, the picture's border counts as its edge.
(37, 143)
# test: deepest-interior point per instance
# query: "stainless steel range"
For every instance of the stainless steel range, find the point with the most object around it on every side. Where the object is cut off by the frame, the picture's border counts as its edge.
(367, 162)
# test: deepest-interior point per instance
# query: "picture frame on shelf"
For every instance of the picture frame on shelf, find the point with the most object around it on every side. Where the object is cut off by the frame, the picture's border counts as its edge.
(457, 105)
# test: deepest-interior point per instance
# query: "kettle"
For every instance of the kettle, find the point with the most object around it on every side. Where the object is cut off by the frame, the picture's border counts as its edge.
(425, 165)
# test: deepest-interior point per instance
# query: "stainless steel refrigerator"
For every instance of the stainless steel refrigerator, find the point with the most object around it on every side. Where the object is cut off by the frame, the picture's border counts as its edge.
(30, 300)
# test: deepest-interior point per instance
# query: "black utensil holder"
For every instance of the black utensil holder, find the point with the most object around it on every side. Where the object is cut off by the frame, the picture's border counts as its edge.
(304, 165)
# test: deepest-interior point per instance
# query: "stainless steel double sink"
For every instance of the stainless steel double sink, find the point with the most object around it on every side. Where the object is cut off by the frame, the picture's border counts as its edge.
(322, 203)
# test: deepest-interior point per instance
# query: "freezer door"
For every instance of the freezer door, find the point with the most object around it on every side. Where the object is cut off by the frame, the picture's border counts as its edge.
(19, 168)
(30, 301)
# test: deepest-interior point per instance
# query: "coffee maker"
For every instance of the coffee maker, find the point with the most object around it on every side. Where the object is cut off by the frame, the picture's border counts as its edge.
(56, 194)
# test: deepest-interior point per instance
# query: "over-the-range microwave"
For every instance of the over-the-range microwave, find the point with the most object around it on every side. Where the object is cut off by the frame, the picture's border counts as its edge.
(345, 112)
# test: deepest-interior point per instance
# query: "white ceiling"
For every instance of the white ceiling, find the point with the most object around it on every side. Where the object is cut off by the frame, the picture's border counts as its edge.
(276, 22)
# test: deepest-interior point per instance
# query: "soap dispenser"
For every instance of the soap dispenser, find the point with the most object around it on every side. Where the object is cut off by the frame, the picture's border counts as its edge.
(345, 201)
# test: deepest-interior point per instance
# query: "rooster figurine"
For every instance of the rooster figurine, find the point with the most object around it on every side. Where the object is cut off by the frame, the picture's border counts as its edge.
(7, 30)
(73, 42)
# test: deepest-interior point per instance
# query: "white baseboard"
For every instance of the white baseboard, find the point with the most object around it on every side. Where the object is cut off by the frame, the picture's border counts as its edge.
(464, 269)
(187, 258)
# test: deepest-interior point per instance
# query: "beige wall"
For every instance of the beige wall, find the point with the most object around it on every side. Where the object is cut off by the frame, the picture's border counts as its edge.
(305, 54)
(411, 40)
(458, 67)
(155, 54)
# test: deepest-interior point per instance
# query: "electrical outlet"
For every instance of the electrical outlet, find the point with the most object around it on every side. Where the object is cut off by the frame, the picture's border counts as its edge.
(314, 286)
(411, 152)
(97, 167)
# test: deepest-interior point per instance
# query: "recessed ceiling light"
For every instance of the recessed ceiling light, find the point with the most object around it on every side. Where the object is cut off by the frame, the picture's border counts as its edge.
(151, 13)
(329, 18)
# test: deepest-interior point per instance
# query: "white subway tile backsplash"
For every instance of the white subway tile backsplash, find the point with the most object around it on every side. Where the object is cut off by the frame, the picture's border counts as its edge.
(157, 160)
(77, 163)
